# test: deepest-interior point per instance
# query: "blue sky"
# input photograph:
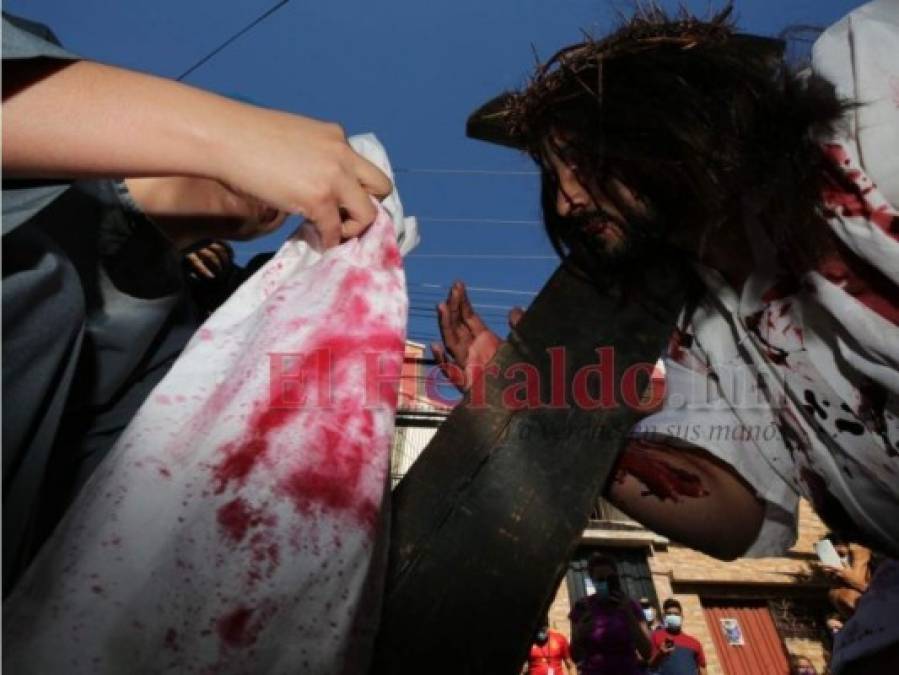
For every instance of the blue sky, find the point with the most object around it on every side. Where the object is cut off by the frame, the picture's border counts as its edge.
(410, 71)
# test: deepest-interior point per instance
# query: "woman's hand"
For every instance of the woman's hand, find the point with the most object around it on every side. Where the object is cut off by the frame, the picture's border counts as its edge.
(303, 166)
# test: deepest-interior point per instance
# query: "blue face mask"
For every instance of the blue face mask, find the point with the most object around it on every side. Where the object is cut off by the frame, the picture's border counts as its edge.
(673, 621)
(649, 613)
(602, 589)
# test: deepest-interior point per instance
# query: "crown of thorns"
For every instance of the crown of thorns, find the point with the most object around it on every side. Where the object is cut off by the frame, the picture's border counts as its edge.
(577, 69)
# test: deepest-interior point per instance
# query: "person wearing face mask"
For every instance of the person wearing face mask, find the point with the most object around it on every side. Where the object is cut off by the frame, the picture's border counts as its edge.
(653, 618)
(550, 654)
(674, 651)
(651, 614)
(609, 631)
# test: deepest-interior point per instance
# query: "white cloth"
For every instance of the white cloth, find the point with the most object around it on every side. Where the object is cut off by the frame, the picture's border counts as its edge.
(236, 527)
(407, 235)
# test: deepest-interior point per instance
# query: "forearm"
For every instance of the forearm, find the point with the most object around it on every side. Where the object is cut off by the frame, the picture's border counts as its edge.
(86, 119)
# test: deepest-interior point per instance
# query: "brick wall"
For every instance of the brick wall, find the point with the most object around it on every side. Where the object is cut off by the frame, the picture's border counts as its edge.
(684, 565)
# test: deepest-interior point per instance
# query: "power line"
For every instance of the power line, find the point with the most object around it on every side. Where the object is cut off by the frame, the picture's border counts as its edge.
(478, 221)
(480, 305)
(482, 256)
(481, 289)
(231, 39)
(472, 172)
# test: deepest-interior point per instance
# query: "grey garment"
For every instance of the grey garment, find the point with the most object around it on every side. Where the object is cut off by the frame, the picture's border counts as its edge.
(23, 39)
(89, 289)
(90, 429)
(43, 326)
(89, 286)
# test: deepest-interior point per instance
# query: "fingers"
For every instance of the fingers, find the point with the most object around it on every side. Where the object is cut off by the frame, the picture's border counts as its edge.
(515, 315)
(358, 210)
(223, 251)
(454, 306)
(372, 178)
(471, 319)
(328, 223)
(214, 257)
(197, 263)
(446, 332)
(455, 336)
(355, 214)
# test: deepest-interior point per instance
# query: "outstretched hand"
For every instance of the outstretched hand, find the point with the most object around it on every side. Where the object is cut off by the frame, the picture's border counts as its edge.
(467, 341)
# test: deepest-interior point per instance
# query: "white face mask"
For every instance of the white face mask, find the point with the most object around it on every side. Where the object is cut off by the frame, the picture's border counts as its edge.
(673, 621)
(649, 613)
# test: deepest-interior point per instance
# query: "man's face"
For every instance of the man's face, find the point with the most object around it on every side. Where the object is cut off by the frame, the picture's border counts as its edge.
(594, 211)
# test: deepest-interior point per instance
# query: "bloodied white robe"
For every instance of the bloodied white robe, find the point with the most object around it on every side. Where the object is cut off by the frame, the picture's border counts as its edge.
(796, 385)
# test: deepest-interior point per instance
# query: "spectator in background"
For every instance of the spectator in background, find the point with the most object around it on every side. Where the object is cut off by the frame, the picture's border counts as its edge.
(608, 628)
(834, 625)
(674, 651)
(654, 621)
(850, 581)
(550, 654)
(802, 665)
(651, 614)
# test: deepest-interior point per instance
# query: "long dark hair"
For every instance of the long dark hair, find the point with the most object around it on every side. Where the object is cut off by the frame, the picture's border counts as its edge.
(713, 128)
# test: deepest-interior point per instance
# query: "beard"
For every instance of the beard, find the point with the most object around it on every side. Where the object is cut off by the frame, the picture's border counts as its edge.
(607, 246)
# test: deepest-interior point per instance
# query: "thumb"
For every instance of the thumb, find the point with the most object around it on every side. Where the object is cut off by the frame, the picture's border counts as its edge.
(515, 315)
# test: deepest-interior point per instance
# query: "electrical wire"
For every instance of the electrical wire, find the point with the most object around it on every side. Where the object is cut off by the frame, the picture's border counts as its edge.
(477, 221)
(472, 172)
(481, 256)
(479, 289)
(234, 37)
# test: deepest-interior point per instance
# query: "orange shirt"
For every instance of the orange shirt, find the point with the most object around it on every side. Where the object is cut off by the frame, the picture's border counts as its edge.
(547, 660)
